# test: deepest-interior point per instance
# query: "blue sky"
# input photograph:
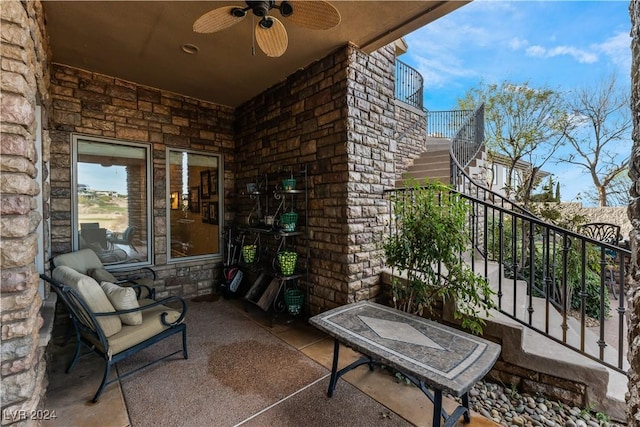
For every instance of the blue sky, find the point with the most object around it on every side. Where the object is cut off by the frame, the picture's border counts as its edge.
(562, 45)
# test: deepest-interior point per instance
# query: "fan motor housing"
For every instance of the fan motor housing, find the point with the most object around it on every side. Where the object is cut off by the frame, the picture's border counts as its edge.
(261, 8)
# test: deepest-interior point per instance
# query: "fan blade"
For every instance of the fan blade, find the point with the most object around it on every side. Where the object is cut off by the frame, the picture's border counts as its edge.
(216, 20)
(273, 41)
(314, 15)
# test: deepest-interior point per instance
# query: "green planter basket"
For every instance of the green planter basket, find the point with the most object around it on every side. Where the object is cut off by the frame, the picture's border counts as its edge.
(249, 253)
(289, 184)
(294, 298)
(289, 220)
(287, 261)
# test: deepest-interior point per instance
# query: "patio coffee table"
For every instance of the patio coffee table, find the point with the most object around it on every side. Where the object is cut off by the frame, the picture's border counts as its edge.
(430, 355)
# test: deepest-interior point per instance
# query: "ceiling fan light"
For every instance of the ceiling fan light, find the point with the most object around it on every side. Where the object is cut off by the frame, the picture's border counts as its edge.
(286, 9)
(238, 13)
(216, 20)
(266, 23)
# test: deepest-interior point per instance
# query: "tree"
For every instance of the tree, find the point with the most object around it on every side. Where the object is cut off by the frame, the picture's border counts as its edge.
(617, 190)
(522, 124)
(599, 132)
(546, 195)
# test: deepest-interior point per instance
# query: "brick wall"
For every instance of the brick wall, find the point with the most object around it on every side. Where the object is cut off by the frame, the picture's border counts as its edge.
(633, 397)
(371, 129)
(409, 140)
(23, 85)
(94, 104)
(303, 121)
(338, 117)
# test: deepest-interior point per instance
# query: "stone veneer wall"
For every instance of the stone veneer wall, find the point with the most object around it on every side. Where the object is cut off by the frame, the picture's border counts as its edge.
(410, 137)
(94, 104)
(612, 214)
(24, 85)
(633, 397)
(337, 117)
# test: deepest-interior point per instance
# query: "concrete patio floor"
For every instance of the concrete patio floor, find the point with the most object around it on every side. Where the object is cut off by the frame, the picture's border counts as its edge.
(69, 394)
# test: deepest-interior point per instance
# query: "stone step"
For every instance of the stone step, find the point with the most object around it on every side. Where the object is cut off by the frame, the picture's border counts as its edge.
(553, 357)
(435, 158)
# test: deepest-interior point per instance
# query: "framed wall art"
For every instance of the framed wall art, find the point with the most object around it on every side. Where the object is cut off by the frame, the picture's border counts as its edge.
(205, 190)
(194, 199)
(213, 182)
(213, 213)
(205, 212)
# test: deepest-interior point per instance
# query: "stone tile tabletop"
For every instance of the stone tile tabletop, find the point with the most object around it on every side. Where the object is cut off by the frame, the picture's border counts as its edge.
(443, 357)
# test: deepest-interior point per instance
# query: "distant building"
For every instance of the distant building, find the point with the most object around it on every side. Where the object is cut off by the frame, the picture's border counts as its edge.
(497, 174)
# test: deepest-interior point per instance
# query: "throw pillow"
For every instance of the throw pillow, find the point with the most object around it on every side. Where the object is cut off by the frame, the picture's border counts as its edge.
(92, 294)
(101, 275)
(123, 298)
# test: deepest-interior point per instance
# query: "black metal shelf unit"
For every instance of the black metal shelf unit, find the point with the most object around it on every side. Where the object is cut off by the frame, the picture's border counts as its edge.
(275, 284)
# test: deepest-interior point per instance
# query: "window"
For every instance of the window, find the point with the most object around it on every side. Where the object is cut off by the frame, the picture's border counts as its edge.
(494, 174)
(112, 199)
(194, 204)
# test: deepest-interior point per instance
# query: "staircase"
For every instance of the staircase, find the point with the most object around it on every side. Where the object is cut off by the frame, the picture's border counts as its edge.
(434, 164)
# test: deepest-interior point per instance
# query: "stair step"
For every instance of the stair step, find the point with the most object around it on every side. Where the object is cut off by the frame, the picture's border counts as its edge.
(439, 160)
(429, 170)
(401, 182)
(432, 175)
(536, 344)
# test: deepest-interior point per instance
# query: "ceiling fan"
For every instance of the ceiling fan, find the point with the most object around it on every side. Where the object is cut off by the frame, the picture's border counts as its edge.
(270, 32)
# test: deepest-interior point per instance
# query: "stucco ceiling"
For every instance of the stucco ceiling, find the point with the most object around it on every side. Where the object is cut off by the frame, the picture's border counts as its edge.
(141, 42)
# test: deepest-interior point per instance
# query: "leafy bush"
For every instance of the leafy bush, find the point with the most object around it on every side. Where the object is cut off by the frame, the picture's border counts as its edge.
(430, 237)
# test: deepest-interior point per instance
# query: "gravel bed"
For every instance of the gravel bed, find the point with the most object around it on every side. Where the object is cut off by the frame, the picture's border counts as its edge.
(510, 408)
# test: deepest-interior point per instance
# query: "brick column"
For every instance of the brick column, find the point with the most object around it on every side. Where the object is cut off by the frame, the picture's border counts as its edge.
(23, 85)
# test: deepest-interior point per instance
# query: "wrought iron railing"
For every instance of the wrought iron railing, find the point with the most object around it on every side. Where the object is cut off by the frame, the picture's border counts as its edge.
(409, 85)
(446, 124)
(469, 138)
(553, 280)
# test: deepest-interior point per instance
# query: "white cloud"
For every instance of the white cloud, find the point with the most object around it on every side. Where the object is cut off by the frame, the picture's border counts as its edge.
(617, 49)
(517, 43)
(580, 55)
(537, 51)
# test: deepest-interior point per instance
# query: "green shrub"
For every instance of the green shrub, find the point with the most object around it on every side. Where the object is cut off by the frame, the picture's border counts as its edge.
(431, 233)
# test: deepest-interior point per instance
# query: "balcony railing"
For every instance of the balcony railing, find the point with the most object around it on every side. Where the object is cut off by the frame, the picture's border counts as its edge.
(446, 124)
(409, 85)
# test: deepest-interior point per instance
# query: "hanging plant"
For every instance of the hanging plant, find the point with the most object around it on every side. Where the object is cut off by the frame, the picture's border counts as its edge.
(426, 247)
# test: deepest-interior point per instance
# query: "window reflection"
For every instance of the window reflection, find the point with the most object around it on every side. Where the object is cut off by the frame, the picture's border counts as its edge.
(112, 200)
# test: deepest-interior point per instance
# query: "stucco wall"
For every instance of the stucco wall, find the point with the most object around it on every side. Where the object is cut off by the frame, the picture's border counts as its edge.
(24, 85)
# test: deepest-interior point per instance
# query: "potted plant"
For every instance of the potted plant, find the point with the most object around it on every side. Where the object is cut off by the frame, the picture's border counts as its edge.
(426, 247)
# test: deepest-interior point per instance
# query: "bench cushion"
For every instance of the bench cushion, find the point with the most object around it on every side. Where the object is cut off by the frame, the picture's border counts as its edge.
(123, 298)
(93, 296)
(81, 261)
(151, 326)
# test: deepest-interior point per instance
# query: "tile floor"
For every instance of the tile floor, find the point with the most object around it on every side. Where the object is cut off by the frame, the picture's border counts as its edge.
(69, 394)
